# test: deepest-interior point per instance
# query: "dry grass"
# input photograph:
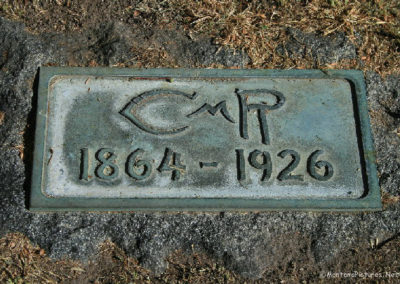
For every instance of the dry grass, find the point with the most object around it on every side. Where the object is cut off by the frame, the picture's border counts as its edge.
(21, 150)
(2, 117)
(22, 262)
(258, 27)
(388, 199)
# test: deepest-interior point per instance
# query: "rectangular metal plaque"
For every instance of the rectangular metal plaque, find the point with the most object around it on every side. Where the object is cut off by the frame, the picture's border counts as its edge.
(176, 139)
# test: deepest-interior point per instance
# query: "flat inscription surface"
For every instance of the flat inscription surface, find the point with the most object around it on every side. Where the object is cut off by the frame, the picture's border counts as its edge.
(238, 137)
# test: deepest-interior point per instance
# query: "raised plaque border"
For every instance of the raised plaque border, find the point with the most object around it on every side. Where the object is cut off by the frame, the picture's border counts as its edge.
(370, 201)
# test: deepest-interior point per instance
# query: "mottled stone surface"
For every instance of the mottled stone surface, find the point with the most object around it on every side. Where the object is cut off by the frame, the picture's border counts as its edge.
(321, 49)
(248, 243)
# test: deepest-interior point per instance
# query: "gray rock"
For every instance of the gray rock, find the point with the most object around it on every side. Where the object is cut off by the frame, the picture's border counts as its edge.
(384, 101)
(322, 50)
(250, 243)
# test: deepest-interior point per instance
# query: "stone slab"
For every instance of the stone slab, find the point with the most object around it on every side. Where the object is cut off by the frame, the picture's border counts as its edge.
(176, 139)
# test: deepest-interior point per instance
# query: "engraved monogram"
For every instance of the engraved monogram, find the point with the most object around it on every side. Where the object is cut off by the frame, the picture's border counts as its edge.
(129, 111)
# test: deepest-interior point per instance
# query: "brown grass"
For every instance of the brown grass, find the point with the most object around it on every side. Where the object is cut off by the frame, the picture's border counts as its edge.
(23, 262)
(258, 27)
(2, 117)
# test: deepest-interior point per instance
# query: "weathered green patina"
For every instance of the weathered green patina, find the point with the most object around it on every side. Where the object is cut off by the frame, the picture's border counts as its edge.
(177, 139)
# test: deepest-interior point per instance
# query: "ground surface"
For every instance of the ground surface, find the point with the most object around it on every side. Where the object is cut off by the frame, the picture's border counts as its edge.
(180, 247)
